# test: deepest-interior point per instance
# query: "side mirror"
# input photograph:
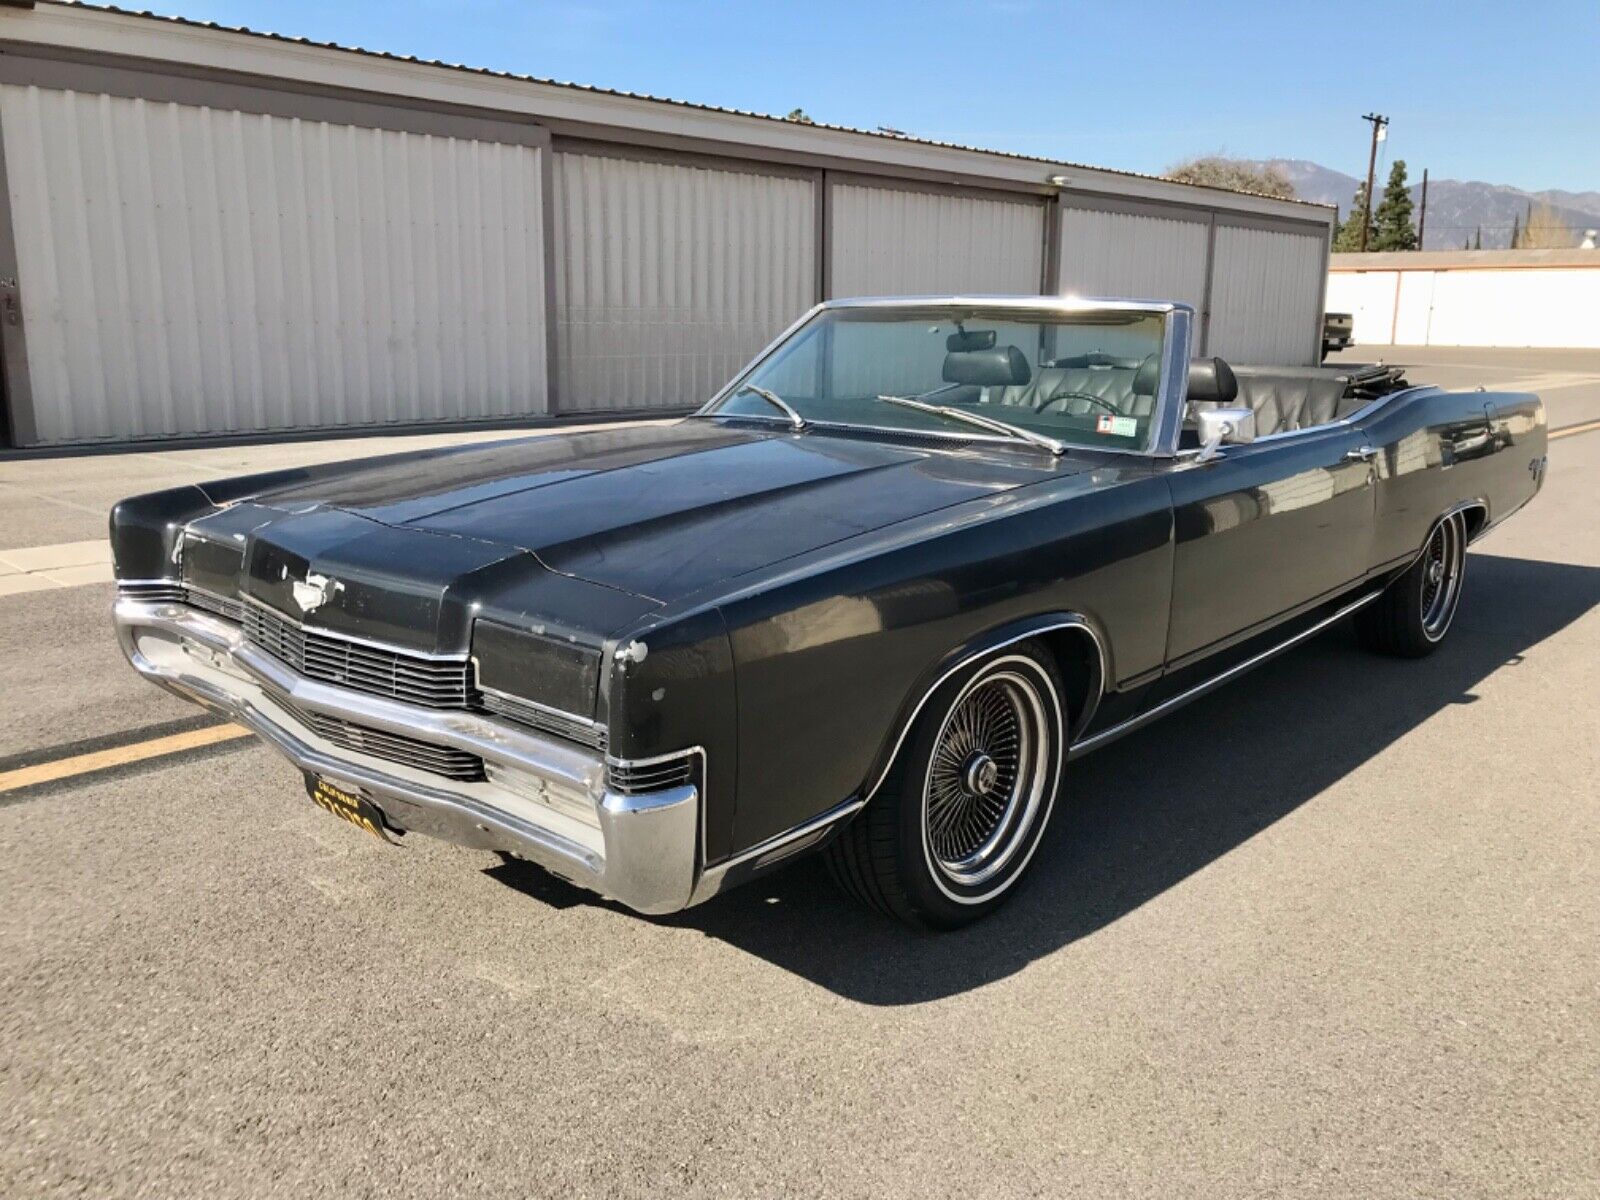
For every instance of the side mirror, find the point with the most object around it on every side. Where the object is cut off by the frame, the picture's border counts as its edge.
(1233, 426)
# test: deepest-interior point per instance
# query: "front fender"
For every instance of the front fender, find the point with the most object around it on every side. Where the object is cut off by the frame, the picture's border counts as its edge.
(949, 665)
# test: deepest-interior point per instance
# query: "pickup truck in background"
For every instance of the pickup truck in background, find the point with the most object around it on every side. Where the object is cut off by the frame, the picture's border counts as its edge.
(1338, 331)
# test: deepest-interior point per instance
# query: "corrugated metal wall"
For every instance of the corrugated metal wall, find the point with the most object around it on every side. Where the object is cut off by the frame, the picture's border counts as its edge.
(1133, 256)
(190, 270)
(889, 241)
(1266, 296)
(670, 276)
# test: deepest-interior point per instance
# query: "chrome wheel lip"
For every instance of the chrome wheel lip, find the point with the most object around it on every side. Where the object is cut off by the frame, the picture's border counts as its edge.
(1445, 558)
(1014, 835)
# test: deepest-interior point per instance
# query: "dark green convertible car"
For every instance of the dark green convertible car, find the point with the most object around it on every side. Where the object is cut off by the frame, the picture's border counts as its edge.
(871, 600)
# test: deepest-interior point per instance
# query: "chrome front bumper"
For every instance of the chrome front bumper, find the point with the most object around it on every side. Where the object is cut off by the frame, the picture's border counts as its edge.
(544, 800)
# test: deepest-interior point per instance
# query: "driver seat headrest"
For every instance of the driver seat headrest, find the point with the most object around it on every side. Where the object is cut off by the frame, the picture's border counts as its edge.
(1212, 381)
(1005, 366)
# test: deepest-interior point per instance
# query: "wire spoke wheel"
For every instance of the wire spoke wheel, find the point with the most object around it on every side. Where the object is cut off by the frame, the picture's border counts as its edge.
(986, 777)
(1442, 562)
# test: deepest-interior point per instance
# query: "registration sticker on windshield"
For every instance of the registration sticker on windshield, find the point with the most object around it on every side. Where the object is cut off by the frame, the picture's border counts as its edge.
(1117, 426)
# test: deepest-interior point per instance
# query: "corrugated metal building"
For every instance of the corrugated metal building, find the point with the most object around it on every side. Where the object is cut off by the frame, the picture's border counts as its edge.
(207, 231)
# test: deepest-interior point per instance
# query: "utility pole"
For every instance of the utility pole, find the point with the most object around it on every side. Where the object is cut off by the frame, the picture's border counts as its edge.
(1422, 218)
(1380, 123)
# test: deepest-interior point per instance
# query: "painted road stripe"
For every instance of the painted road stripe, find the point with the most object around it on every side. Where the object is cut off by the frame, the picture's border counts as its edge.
(119, 756)
(1571, 430)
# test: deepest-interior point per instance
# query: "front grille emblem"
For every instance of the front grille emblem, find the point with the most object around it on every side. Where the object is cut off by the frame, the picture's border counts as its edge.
(316, 591)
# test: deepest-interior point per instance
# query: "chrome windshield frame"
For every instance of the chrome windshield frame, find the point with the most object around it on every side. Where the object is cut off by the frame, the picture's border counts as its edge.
(1167, 415)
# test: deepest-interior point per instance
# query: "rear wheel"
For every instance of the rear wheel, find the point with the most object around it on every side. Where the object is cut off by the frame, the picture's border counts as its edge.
(956, 822)
(1414, 613)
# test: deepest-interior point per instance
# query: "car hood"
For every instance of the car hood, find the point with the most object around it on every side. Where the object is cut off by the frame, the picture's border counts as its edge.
(663, 512)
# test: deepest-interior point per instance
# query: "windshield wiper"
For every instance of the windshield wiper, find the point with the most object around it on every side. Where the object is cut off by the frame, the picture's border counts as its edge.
(796, 421)
(983, 422)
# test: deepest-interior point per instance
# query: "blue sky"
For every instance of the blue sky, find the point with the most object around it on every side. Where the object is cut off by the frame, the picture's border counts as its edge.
(1507, 93)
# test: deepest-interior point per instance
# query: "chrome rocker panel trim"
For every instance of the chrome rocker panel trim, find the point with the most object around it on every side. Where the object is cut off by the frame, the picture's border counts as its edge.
(642, 851)
(1080, 748)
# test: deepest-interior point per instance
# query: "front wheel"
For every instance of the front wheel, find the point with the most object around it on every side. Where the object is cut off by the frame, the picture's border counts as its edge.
(1414, 613)
(951, 832)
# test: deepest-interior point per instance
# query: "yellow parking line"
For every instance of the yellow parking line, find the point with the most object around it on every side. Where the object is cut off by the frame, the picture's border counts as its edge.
(100, 760)
(1570, 430)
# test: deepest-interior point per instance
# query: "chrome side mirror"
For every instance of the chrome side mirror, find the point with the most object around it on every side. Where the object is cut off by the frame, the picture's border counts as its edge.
(1234, 426)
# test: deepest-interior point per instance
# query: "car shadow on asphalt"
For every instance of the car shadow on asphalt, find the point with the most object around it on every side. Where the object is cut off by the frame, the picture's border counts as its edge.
(1149, 811)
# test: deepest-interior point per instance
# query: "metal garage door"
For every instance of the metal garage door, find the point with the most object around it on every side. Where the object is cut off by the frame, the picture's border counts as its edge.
(890, 241)
(191, 270)
(670, 276)
(1134, 255)
(1266, 295)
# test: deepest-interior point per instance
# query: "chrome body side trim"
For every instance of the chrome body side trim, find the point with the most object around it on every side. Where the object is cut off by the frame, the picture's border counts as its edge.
(1216, 681)
(542, 800)
(735, 870)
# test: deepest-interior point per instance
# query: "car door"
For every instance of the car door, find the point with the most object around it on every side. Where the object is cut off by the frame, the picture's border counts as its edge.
(1265, 530)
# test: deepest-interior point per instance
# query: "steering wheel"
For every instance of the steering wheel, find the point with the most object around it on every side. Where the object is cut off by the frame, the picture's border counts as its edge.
(1098, 401)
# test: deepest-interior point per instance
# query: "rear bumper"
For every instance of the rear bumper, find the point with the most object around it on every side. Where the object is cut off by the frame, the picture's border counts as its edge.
(542, 800)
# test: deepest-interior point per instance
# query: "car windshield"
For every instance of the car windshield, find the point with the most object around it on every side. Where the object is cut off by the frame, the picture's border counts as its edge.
(1082, 378)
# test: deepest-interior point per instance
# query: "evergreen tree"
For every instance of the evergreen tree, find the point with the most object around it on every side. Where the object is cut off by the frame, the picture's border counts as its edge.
(1477, 239)
(1516, 229)
(1347, 238)
(1391, 224)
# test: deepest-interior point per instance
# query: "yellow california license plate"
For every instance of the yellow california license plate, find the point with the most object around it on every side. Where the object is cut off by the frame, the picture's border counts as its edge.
(347, 805)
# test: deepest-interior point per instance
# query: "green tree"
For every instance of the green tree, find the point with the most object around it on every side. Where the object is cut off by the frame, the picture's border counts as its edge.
(1391, 222)
(1347, 238)
(1477, 239)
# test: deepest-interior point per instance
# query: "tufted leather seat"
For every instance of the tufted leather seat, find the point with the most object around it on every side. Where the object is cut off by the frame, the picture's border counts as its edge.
(1051, 388)
(1285, 399)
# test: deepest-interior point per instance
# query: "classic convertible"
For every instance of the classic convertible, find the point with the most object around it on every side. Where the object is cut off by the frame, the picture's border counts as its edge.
(872, 599)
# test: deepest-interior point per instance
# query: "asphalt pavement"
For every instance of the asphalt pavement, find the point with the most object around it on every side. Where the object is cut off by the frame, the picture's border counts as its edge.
(1331, 931)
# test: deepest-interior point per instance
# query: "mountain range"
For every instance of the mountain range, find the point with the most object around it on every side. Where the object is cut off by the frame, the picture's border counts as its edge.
(1457, 209)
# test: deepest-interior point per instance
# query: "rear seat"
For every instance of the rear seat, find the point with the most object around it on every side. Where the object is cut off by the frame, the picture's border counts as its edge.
(1285, 399)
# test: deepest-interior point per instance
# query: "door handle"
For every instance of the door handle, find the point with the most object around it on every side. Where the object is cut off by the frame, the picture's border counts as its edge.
(1364, 454)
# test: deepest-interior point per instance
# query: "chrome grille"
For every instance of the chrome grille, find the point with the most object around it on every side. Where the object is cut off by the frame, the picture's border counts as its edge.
(392, 747)
(231, 610)
(155, 590)
(574, 729)
(415, 679)
(633, 778)
(328, 658)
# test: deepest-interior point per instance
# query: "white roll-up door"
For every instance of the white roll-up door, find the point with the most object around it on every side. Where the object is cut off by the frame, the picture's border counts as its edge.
(890, 241)
(189, 270)
(1134, 256)
(1267, 287)
(671, 276)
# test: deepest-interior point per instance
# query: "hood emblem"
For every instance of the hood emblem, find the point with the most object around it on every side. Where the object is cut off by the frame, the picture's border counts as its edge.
(316, 591)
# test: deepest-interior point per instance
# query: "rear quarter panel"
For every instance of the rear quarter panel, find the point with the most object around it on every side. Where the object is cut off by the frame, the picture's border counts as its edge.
(1442, 449)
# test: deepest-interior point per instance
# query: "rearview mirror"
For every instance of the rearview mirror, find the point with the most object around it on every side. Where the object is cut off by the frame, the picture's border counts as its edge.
(1233, 426)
